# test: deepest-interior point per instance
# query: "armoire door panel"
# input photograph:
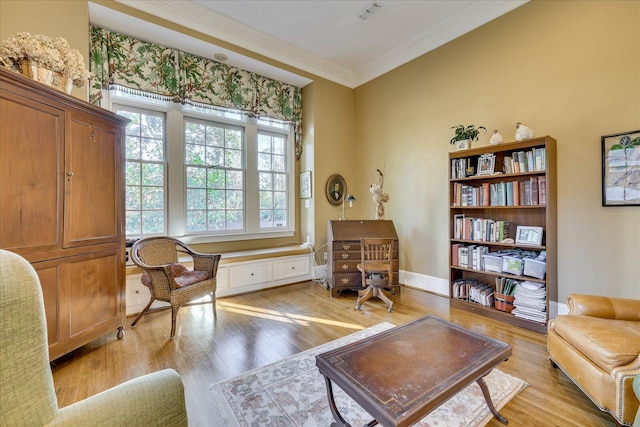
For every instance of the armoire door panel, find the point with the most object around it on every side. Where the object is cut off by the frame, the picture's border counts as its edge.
(91, 291)
(92, 201)
(49, 282)
(31, 158)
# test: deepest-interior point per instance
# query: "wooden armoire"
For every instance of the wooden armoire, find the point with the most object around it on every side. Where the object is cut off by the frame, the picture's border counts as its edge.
(62, 206)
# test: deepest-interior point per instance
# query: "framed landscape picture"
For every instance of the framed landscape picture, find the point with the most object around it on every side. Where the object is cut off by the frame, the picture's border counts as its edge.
(621, 169)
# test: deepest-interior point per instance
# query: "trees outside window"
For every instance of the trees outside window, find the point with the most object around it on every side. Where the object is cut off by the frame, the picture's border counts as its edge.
(235, 180)
(145, 172)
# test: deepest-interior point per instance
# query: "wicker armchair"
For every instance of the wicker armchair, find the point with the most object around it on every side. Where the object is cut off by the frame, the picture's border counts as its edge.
(170, 281)
(27, 393)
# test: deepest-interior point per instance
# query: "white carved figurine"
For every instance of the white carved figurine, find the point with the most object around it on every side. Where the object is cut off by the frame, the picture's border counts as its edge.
(496, 138)
(379, 197)
(523, 132)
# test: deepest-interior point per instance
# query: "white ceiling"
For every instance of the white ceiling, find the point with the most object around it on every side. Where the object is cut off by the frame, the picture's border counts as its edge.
(321, 37)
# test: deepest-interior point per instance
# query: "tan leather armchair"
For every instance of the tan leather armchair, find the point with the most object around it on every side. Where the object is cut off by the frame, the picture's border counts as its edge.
(598, 346)
(636, 388)
(27, 394)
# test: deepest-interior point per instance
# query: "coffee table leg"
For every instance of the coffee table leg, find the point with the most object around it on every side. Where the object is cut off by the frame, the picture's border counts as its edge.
(487, 398)
(340, 422)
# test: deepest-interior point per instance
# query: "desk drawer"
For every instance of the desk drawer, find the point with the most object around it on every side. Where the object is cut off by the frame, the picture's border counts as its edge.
(351, 280)
(346, 256)
(348, 246)
(342, 267)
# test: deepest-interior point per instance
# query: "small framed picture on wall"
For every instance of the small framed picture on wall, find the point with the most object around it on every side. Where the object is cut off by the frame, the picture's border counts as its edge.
(336, 189)
(305, 185)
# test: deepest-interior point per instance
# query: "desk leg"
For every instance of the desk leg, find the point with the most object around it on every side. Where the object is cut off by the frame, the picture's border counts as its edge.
(339, 421)
(487, 398)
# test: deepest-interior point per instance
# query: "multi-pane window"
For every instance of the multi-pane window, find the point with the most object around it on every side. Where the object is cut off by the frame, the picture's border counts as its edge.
(145, 170)
(272, 180)
(206, 173)
(215, 174)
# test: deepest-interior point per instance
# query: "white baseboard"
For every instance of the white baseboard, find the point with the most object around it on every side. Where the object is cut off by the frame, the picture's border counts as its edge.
(432, 284)
(560, 309)
(440, 286)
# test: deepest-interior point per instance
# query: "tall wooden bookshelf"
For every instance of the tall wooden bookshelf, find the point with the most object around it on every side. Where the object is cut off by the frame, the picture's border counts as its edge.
(469, 179)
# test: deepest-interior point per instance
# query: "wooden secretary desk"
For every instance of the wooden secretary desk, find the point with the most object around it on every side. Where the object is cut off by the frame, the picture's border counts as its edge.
(343, 246)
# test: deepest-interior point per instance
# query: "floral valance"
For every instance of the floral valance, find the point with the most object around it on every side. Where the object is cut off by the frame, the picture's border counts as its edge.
(148, 69)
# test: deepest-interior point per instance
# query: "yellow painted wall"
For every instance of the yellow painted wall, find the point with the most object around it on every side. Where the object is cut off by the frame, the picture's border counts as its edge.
(67, 19)
(569, 69)
(334, 149)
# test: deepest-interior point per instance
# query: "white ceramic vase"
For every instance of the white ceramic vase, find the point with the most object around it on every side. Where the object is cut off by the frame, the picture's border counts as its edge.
(463, 144)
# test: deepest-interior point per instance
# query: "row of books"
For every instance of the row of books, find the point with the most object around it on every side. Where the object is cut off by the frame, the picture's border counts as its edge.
(506, 286)
(479, 229)
(534, 160)
(473, 291)
(468, 256)
(526, 161)
(527, 192)
(462, 168)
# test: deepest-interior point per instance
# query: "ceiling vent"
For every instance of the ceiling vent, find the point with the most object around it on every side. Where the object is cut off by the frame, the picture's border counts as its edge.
(369, 10)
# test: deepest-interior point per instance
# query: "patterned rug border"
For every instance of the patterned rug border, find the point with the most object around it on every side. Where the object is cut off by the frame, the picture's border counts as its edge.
(292, 412)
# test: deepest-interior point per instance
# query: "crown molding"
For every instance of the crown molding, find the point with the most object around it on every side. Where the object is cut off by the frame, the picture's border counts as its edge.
(205, 21)
(199, 18)
(467, 20)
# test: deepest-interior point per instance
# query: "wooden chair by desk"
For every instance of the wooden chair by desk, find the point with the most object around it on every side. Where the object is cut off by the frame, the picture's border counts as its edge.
(343, 252)
(376, 267)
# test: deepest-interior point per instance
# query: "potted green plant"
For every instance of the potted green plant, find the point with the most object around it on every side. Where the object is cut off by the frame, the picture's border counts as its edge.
(464, 135)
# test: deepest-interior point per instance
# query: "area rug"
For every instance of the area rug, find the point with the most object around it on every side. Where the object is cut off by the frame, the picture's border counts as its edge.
(292, 392)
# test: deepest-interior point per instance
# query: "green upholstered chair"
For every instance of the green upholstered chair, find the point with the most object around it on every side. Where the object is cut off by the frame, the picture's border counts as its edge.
(27, 394)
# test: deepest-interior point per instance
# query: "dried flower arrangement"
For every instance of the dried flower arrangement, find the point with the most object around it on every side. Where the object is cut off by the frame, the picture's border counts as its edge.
(53, 54)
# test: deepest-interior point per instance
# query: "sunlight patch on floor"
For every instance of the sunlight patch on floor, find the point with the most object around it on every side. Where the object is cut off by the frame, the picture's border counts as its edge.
(282, 317)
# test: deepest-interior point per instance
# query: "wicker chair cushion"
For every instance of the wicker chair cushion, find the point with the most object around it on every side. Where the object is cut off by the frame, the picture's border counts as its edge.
(184, 277)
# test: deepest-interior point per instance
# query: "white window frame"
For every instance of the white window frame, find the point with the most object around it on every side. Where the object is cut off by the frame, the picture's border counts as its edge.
(176, 178)
(242, 168)
(164, 162)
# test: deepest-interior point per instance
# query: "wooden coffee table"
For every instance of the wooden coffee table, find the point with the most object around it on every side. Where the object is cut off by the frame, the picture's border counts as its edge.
(400, 375)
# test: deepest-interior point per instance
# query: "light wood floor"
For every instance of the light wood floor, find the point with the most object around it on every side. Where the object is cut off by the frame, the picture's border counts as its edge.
(255, 329)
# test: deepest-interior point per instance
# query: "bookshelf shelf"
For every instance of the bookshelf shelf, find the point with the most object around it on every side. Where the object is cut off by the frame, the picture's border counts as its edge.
(498, 207)
(506, 245)
(477, 206)
(497, 315)
(494, 274)
(499, 244)
(497, 177)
